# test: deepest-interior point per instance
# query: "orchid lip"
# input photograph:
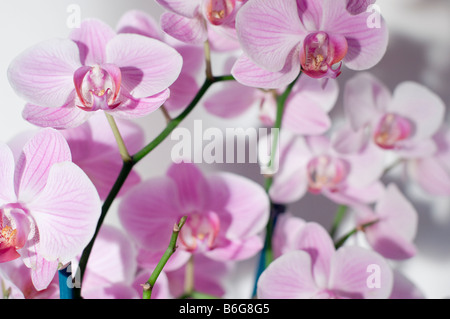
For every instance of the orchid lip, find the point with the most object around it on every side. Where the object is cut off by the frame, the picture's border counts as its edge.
(219, 11)
(392, 129)
(325, 172)
(200, 231)
(322, 55)
(97, 87)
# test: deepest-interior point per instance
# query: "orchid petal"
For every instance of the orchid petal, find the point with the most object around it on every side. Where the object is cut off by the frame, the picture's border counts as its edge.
(431, 175)
(422, 106)
(46, 148)
(92, 38)
(43, 273)
(113, 258)
(285, 233)
(148, 66)
(367, 92)
(245, 71)
(132, 107)
(241, 201)
(236, 249)
(43, 74)
(232, 100)
(138, 22)
(276, 32)
(65, 117)
(360, 273)
(288, 277)
(66, 212)
(188, 30)
(185, 8)
(193, 187)
(316, 241)
(392, 236)
(182, 92)
(149, 211)
(367, 43)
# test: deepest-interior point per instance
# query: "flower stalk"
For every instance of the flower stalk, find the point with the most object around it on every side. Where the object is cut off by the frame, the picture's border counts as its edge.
(148, 286)
(339, 243)
(120, 143)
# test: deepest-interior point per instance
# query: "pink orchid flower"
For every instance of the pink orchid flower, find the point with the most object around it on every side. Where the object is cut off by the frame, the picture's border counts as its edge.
(94, 150)
(48, 206)
(395, 226)
(225, 213)
(280, 37)
(403, 122)
(313, 269)
(306, 109)
(16, 283)
(112, 267)
(196, 21)
(314, 164)
(66, 80)
(183, 90)
(432, 173)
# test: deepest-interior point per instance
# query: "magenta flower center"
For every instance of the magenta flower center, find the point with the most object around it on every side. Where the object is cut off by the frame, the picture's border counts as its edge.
(217, 11)
(321, 55)
(14, 231)
(7, 236)
(325, 172)
(97, 87)
(200, 232)
(391, 129)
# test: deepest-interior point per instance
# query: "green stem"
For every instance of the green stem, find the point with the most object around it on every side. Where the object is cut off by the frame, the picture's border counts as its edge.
(148, 287)
(392, 166)
(340, 214)
(344, 238)
(122, 148)
(166, 114)
(268, 183)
